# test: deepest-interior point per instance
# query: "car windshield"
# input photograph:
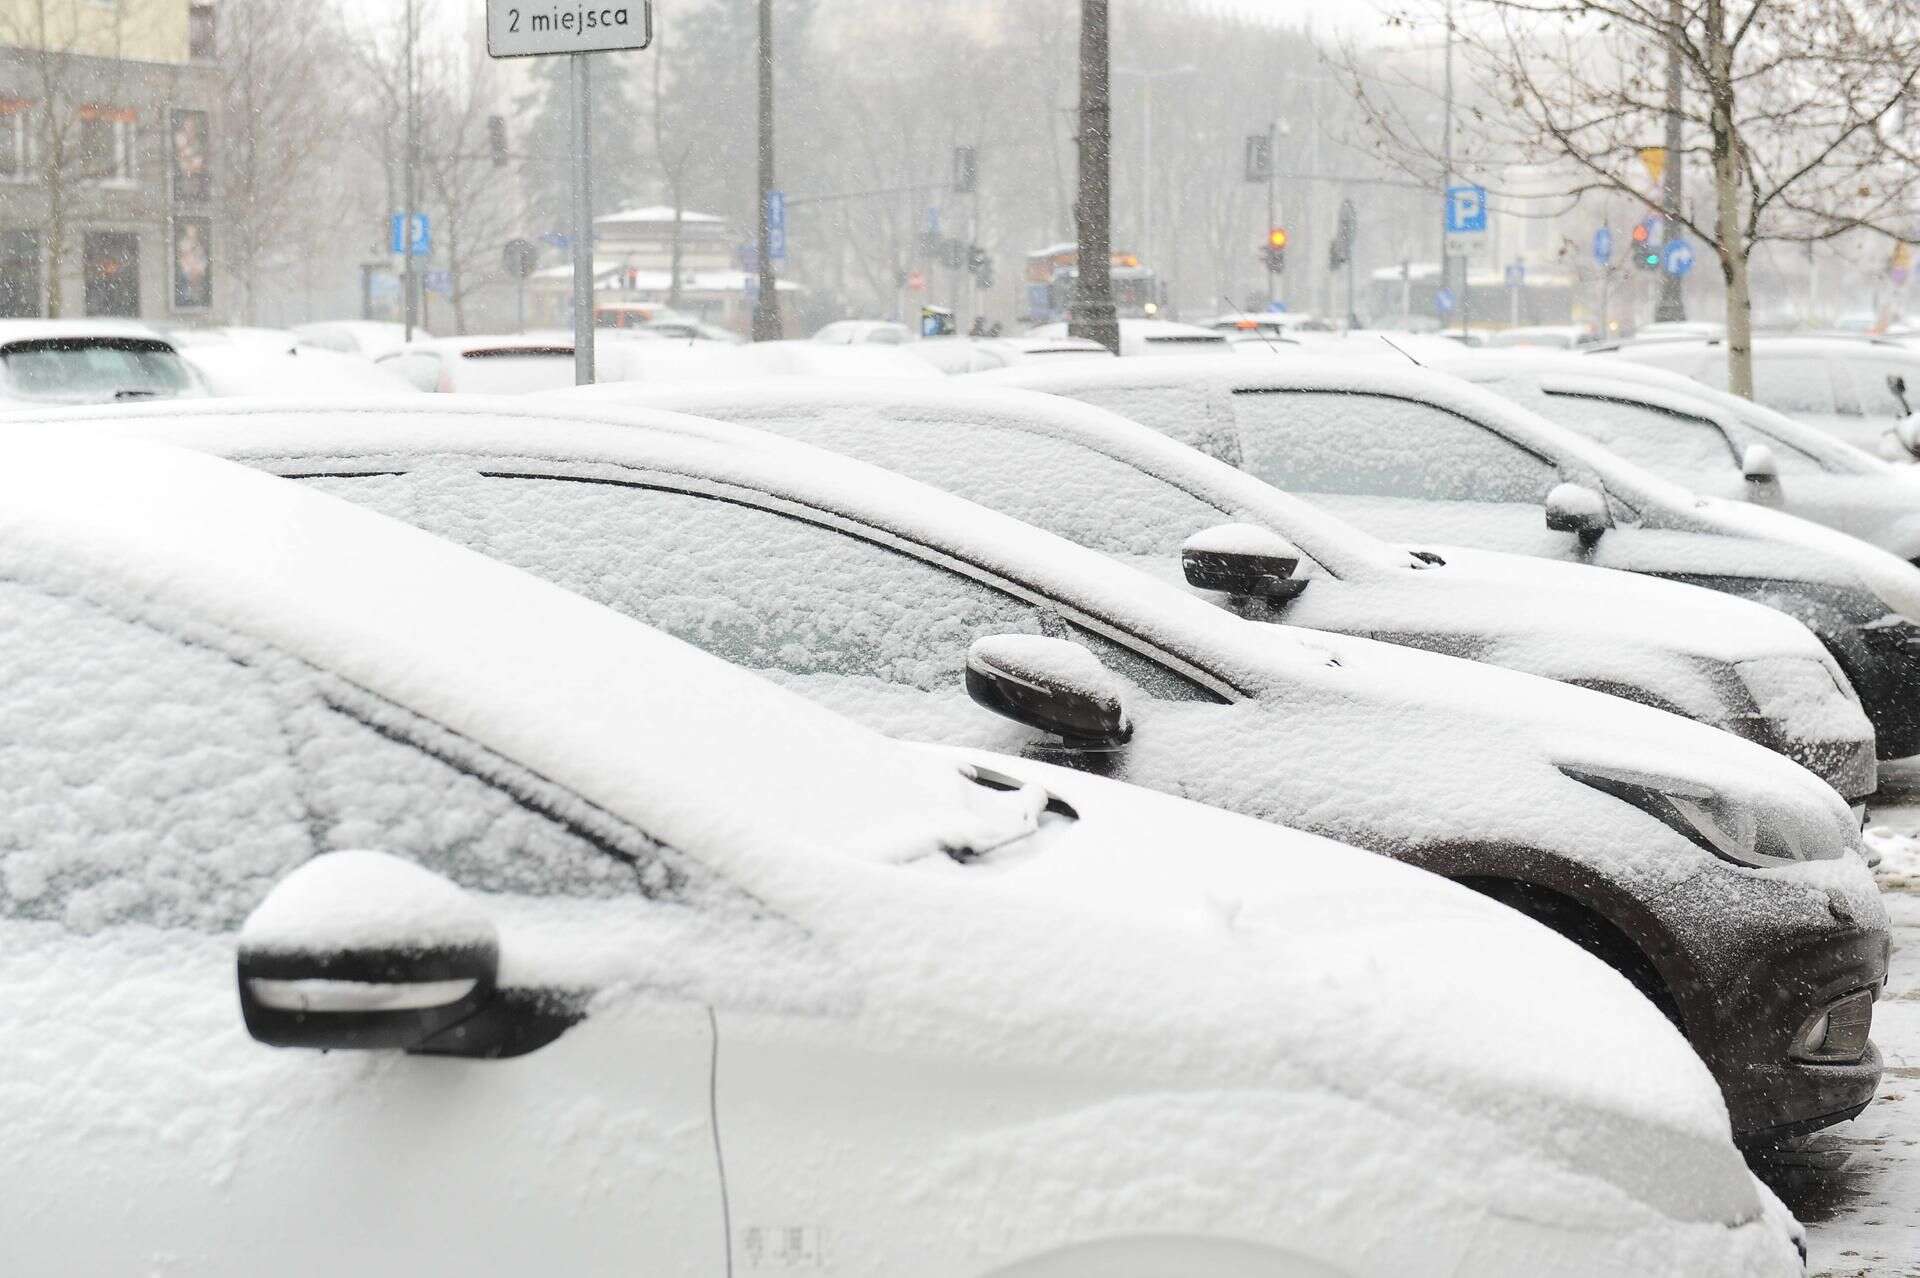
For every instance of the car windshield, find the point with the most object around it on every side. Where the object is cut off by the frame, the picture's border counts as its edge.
(90, 368)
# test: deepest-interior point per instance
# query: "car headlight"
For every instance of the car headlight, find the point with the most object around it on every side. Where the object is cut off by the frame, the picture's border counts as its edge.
(1730, 830)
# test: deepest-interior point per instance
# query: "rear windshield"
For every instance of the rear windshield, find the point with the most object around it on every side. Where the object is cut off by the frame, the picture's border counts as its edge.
(94, 368)
(514, 370)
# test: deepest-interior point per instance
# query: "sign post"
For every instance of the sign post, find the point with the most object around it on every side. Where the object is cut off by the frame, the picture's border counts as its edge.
(540, 28)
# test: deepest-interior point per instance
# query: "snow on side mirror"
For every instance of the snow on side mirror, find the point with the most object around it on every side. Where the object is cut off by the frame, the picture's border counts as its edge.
(1576, 508)
(1245, 560)
(1050, 684)
(364, 951)
(1759, 465)
(1908, 433)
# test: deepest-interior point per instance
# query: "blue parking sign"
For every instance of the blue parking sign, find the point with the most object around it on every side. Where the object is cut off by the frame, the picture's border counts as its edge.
(1443, 301)
(1466, 210)
(1603, 245)
(1677, 258)
(777, 226)
(416, 242)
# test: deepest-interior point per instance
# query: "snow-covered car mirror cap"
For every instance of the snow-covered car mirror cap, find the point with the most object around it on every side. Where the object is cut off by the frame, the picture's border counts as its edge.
(1759, 464)
(1242, 559)
(1051, 684)
(1908, 433)
(364, 951)
(1576, 508)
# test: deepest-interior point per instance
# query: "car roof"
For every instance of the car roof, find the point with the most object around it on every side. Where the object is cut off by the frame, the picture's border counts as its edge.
(642, 725)
(1335, 543)
(1215, 648)
(37, 330)
(531, 344)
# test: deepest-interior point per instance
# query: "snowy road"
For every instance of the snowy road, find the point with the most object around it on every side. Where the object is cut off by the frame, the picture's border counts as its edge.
(1864, 1214)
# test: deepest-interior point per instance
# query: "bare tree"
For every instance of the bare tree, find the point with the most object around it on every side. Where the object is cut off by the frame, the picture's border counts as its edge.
(66, 60)
(477, 208)
(1790, 103)
(280, 133)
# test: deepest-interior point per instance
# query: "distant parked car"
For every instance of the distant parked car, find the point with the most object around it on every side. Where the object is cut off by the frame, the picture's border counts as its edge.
(1153, 337)
(1846, 386)
(864, 332)
(89, 362)
(1559, 337)
(1723, 879)
(958, 355)
(1129, 491)
(489, 365)
(1429, 461)
(369, 339)
(254, 362)
(468, 931)
(1715, 443)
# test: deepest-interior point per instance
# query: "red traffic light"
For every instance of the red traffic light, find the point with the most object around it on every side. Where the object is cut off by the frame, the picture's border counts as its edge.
(1641, 233)
(1276, 238)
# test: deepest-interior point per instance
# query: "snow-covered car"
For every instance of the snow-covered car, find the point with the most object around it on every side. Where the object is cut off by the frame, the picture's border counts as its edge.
(1152, 337)
(1840, 385)
(249, 367)
(369, 339)
(1723, 879)
(864, 332)
(958, 355)
(89, 362)
(1127, 490)
(506, 365)
(606, 943)
(1426, 460)
(1558, 337)
(1714, 443)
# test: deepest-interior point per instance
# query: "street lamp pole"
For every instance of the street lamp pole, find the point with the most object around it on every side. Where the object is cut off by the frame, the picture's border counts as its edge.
(411, 282)
(766, 311)
(1093, 316)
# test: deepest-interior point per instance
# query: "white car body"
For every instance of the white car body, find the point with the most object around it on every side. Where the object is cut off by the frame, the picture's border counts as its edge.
(1698, 437)
(504, 365)
(1152, 337)
(134, 361)
(863, 333)
(1834, 383)
(261, 368)
(821, 1038)
(1126, 490)
(370, 339)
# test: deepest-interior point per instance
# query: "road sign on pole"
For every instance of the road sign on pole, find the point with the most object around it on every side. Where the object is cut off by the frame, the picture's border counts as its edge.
(411, 236)
(1603, 246)
(537, 28)
(1466, 222)
(1443, 301)
(777, 226)
(1677, 258)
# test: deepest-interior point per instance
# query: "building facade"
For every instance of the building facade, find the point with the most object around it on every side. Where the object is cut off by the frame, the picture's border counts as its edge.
(108, 114)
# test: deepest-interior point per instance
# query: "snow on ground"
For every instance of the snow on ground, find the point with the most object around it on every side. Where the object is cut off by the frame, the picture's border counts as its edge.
(1863, 1215)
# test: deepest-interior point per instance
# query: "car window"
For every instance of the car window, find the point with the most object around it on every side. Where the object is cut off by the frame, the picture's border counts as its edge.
(1675, 445)
(1382, 446)
(764, 590)
(159, 773)
(60, 367)
(1789, 384)
(1057, 484)
(1181, 410)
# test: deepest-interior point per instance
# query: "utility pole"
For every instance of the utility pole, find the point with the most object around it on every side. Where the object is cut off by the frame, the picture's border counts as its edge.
(1672, 304)
(412, 149)
(584, 335)
(766, 312)
(1093, 316)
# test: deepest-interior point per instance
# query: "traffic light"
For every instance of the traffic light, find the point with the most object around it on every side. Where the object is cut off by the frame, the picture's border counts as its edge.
(1646, 244)
(1276, 250)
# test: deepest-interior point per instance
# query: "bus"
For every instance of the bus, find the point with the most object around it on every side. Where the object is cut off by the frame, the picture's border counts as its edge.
(1053, 272)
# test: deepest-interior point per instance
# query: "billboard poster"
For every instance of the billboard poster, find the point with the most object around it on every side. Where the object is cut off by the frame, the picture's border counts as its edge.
(192, 263)
(190, 150)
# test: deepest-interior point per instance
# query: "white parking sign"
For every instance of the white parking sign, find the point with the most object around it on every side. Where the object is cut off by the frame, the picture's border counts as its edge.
(531, 28)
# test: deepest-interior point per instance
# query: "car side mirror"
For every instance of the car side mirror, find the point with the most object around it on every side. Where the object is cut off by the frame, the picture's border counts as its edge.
(1897, 383)
(1576, 508)
(1245, 560)
(1759, 465)
(1050, 684)
(364, 951)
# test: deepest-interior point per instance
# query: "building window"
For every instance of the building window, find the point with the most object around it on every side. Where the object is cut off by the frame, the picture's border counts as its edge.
(200, 46)
(113, 274)
(20, 274)
(106, 144)
(16, 140)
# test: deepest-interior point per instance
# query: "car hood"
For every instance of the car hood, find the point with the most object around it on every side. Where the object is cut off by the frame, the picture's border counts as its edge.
(1198, 951)
(1892, 580)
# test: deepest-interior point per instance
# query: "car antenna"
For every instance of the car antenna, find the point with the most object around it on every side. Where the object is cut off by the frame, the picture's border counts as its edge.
(1264, 336)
